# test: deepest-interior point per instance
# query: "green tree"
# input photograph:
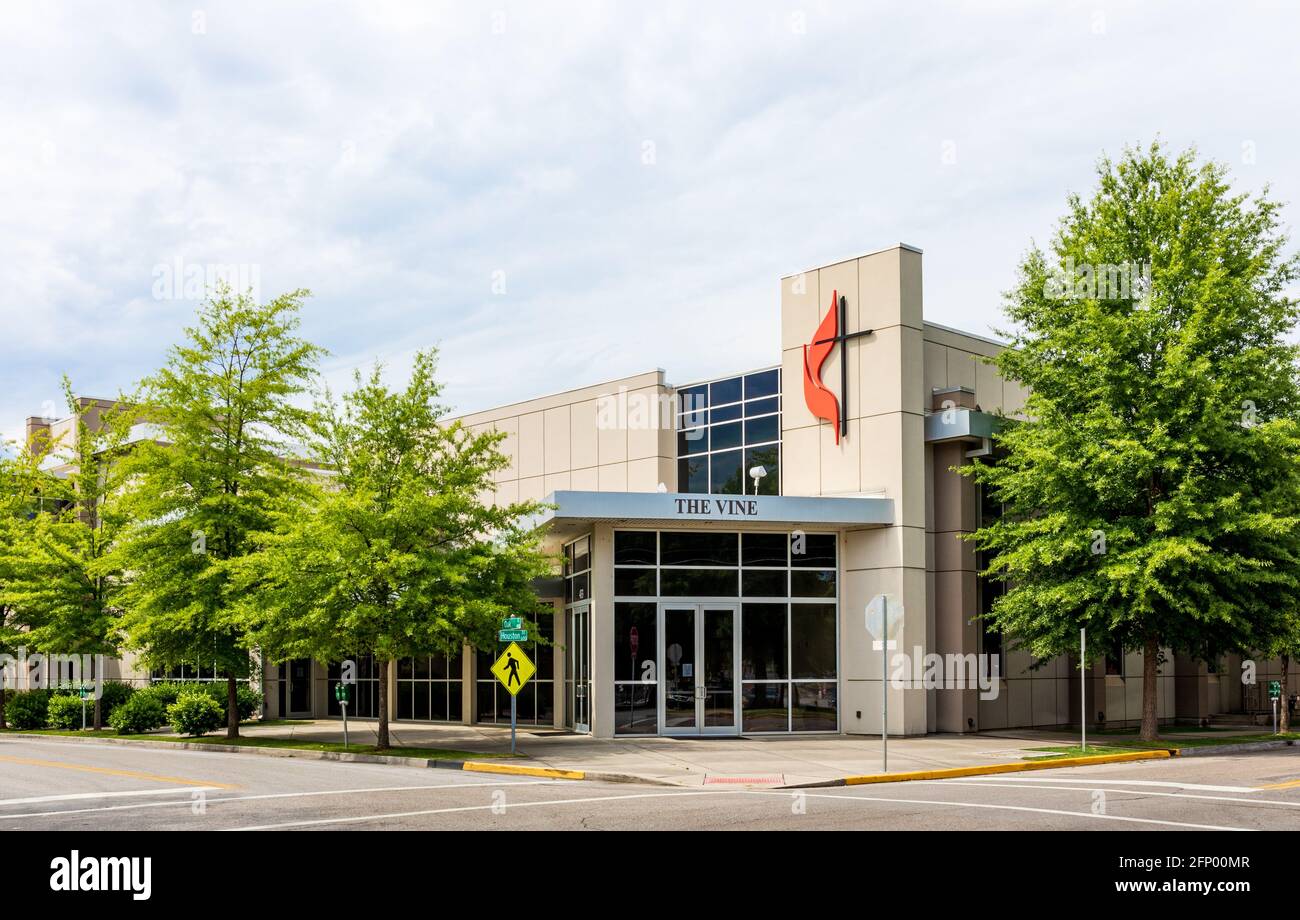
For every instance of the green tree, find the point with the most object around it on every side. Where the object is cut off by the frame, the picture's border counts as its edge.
(1160, 421)
(56, 573)
(20, 484)
(397, 553)
(226, 428)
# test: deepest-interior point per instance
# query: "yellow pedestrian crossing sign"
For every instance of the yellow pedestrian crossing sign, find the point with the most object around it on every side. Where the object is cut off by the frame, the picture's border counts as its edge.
(513, 668)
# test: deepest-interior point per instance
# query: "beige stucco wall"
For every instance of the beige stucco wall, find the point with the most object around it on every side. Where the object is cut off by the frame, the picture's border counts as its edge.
(882, 453)
(611, 437)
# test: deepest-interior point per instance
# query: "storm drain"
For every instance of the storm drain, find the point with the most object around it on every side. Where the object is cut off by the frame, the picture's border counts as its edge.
(773, 779)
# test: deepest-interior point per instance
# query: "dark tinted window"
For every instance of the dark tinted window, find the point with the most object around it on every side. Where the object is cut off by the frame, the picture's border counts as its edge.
(692, 398)
(692, 441)
(724, 391)
(635, 582)
(698, 548)
(763, 642)
(812, 641)
(812, 583)
(629, 664)
(769, 458)
(698, 582)
(764, 383)
(758, 430)
(727, 413)
(763, 583)
(819, 551)
(764, 548)
(693, 474)
(762, 406)
(725, 437)
(728, 477)
(632, 547)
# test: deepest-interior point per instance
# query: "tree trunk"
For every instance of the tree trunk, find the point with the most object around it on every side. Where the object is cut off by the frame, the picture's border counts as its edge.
(99, 713)
(1284, 716)
(1150, 721)
(382, 742)
(3, 723)
(232, 707)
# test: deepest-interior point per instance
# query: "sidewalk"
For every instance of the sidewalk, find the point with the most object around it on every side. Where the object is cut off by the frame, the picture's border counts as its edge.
(753, 760)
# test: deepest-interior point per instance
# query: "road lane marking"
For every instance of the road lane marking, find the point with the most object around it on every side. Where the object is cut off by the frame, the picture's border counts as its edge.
(996, 807)
(107, 771)
(506, 806)
(1289, 784)
(73, 796)
(1121, 782)
(1173, 795)
(268, 795)
(467, 808)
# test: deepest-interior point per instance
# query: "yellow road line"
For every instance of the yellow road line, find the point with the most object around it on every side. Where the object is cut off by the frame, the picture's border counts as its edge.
(132, 774)
(1289, 784)
(522, 771)
(1020, 767)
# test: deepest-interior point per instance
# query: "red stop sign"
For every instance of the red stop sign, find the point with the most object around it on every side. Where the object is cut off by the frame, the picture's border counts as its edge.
(634, 639)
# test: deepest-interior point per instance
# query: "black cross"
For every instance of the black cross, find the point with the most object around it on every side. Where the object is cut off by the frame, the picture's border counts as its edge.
(842, 338)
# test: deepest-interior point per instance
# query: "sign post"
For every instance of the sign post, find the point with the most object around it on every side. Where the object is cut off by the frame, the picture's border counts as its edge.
(342, 693)
(1274, 695)
(514, 669)
(884, 614)
(1083, 689)
(84, 692)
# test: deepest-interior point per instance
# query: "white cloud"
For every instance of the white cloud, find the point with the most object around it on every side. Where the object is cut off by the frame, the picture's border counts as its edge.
(401, 158)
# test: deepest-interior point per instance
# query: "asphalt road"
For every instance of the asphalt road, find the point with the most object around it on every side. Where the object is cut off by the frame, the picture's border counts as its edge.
(57, 785)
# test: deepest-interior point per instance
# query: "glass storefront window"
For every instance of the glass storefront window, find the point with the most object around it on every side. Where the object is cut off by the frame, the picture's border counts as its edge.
(763, 642)
(812, 641)
(429, 688)
(787, 655)
(814, 707)
(698, 548)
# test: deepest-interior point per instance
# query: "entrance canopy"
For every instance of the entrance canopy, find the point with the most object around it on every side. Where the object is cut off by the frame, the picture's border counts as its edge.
(575, 511)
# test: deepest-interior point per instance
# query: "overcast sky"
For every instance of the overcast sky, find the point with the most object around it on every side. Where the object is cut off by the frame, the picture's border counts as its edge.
(557, 194)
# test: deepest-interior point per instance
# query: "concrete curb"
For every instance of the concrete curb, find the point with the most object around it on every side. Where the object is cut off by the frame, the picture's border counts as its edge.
(422, 763)
(987, 769)
(1244, 748)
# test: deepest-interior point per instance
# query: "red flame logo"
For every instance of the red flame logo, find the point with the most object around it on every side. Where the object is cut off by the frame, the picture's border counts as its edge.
(821, 401)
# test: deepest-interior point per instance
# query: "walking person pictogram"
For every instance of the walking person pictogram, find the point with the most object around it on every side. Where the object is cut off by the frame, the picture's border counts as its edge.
(513, 665)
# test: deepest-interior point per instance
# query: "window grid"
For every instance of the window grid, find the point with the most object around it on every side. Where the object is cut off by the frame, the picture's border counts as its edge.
(702, 415)
(789, 602)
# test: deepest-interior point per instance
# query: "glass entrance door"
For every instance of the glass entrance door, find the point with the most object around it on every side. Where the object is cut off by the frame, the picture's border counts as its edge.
(698, 660)
(578, 679)
(299, 686)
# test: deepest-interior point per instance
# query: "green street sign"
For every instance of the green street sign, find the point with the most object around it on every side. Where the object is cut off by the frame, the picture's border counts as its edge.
(1274, 689)
(512, 635)
(343, 693)
(512, 623)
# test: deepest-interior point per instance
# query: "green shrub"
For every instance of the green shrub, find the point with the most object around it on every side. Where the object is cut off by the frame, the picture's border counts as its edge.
(115, 693)
(196, 713)
(141, 713)
(165, 692)
(249, 701)
(27, 710)
(64, 711)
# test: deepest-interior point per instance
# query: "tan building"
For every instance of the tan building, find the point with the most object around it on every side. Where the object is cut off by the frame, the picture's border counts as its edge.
(723, 540)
